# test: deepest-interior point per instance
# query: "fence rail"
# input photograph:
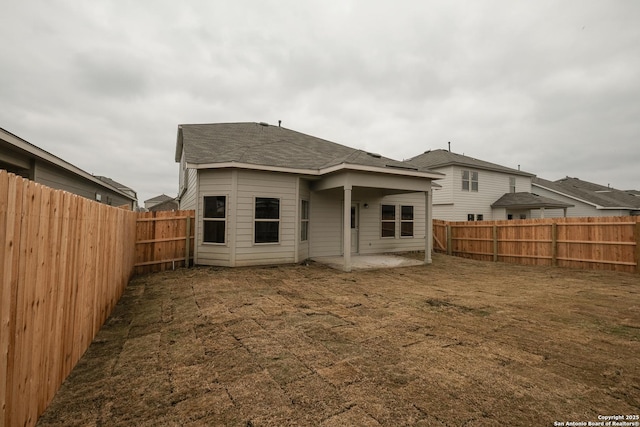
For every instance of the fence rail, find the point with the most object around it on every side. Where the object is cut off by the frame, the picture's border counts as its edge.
(64, 263)
(164, 240)
(601, 243)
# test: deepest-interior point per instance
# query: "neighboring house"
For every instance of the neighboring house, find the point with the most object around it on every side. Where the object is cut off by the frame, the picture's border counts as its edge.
(149, 203)
(25, 159)
(120, 187)
(589, 199)
(167, 205)
(267, 195)
(475, 190)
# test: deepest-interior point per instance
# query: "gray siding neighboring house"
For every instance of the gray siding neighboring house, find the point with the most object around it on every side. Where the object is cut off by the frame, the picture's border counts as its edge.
(475, 189)
(587, 198)
(168, 205)
(157, 200)
(25, 159)
(267, 195)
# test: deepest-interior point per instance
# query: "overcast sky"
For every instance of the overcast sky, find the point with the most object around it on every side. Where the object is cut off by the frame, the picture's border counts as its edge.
(553, 86)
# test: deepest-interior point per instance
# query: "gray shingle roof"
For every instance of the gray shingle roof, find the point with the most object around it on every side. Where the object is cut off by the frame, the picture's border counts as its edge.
(524, 200)
(600, 195)
(160, 198)
(265, 145)
(434, 159)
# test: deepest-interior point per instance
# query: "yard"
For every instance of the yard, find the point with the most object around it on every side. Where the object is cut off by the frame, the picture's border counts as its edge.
(458, 342)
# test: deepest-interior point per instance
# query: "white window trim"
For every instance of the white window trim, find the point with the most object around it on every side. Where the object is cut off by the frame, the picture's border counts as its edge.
(470, 181)
(394, 221)
(279, 220)
(304, 220)
(226, 223)
(413, 221)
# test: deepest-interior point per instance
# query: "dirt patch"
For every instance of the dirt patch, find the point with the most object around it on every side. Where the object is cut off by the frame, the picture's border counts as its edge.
(458, 342)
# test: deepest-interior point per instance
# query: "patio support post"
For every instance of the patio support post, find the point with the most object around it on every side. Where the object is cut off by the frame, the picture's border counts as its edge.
(428, 226)
(346, 239)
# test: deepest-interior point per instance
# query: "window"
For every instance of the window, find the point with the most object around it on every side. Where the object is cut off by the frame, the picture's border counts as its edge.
(388, 221)
(471, 217)
(469, 181)
(267, 220)
(214, 219)
(480, 217)
(512, 184)
(304, 220)
(406, 221)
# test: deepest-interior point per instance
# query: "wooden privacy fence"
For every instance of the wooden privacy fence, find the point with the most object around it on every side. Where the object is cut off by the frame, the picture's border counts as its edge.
(64, 263)
(164, 240)
(600, 243)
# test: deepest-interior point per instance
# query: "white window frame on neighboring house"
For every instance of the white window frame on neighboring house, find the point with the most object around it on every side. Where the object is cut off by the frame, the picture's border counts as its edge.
(470, 180)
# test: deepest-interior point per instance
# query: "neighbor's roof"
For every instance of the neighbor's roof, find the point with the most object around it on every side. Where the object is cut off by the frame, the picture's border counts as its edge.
(434, 159)
(525, 200)
(23, 146)
(160, 198)
(274, 146)
(113, 183)
(595, 194)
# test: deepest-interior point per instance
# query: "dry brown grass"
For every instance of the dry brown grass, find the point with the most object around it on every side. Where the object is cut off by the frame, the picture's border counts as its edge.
(459, 342)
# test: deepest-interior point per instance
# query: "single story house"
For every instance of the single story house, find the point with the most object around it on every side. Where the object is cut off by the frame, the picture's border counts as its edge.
(588, 198)
(25, 159)
(265, 194)
(154, 201)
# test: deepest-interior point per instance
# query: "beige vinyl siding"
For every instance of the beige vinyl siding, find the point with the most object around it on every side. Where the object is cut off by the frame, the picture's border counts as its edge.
(303, 194)
(214, 183)
(369, 233)
(453, 204)
(188, 199)
(491, 186)
(325, 217)
(444, 195)
(252, 184)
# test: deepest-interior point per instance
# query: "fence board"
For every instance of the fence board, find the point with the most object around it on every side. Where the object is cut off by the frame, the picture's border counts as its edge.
(161, 240)
(61, 274)
(605, 243)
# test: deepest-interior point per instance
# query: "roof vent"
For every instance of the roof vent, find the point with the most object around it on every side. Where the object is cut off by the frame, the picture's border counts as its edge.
(263, 124)
(376, 155)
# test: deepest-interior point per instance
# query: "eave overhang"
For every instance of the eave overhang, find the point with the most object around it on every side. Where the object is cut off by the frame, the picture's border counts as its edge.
(409, 172)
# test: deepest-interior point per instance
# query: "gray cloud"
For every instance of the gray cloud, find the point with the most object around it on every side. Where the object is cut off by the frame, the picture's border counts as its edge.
(550, 86)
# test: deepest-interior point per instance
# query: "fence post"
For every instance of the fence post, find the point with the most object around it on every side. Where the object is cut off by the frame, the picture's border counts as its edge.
(554, 244)
(637, 238)
(495, 243)
(187, 250)
(449, 251)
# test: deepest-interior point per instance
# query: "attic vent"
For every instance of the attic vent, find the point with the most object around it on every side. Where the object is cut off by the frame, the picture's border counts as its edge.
(264, 124)
(376, 155)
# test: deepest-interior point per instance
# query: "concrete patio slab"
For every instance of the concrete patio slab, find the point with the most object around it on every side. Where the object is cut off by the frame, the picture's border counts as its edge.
(368, 262)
